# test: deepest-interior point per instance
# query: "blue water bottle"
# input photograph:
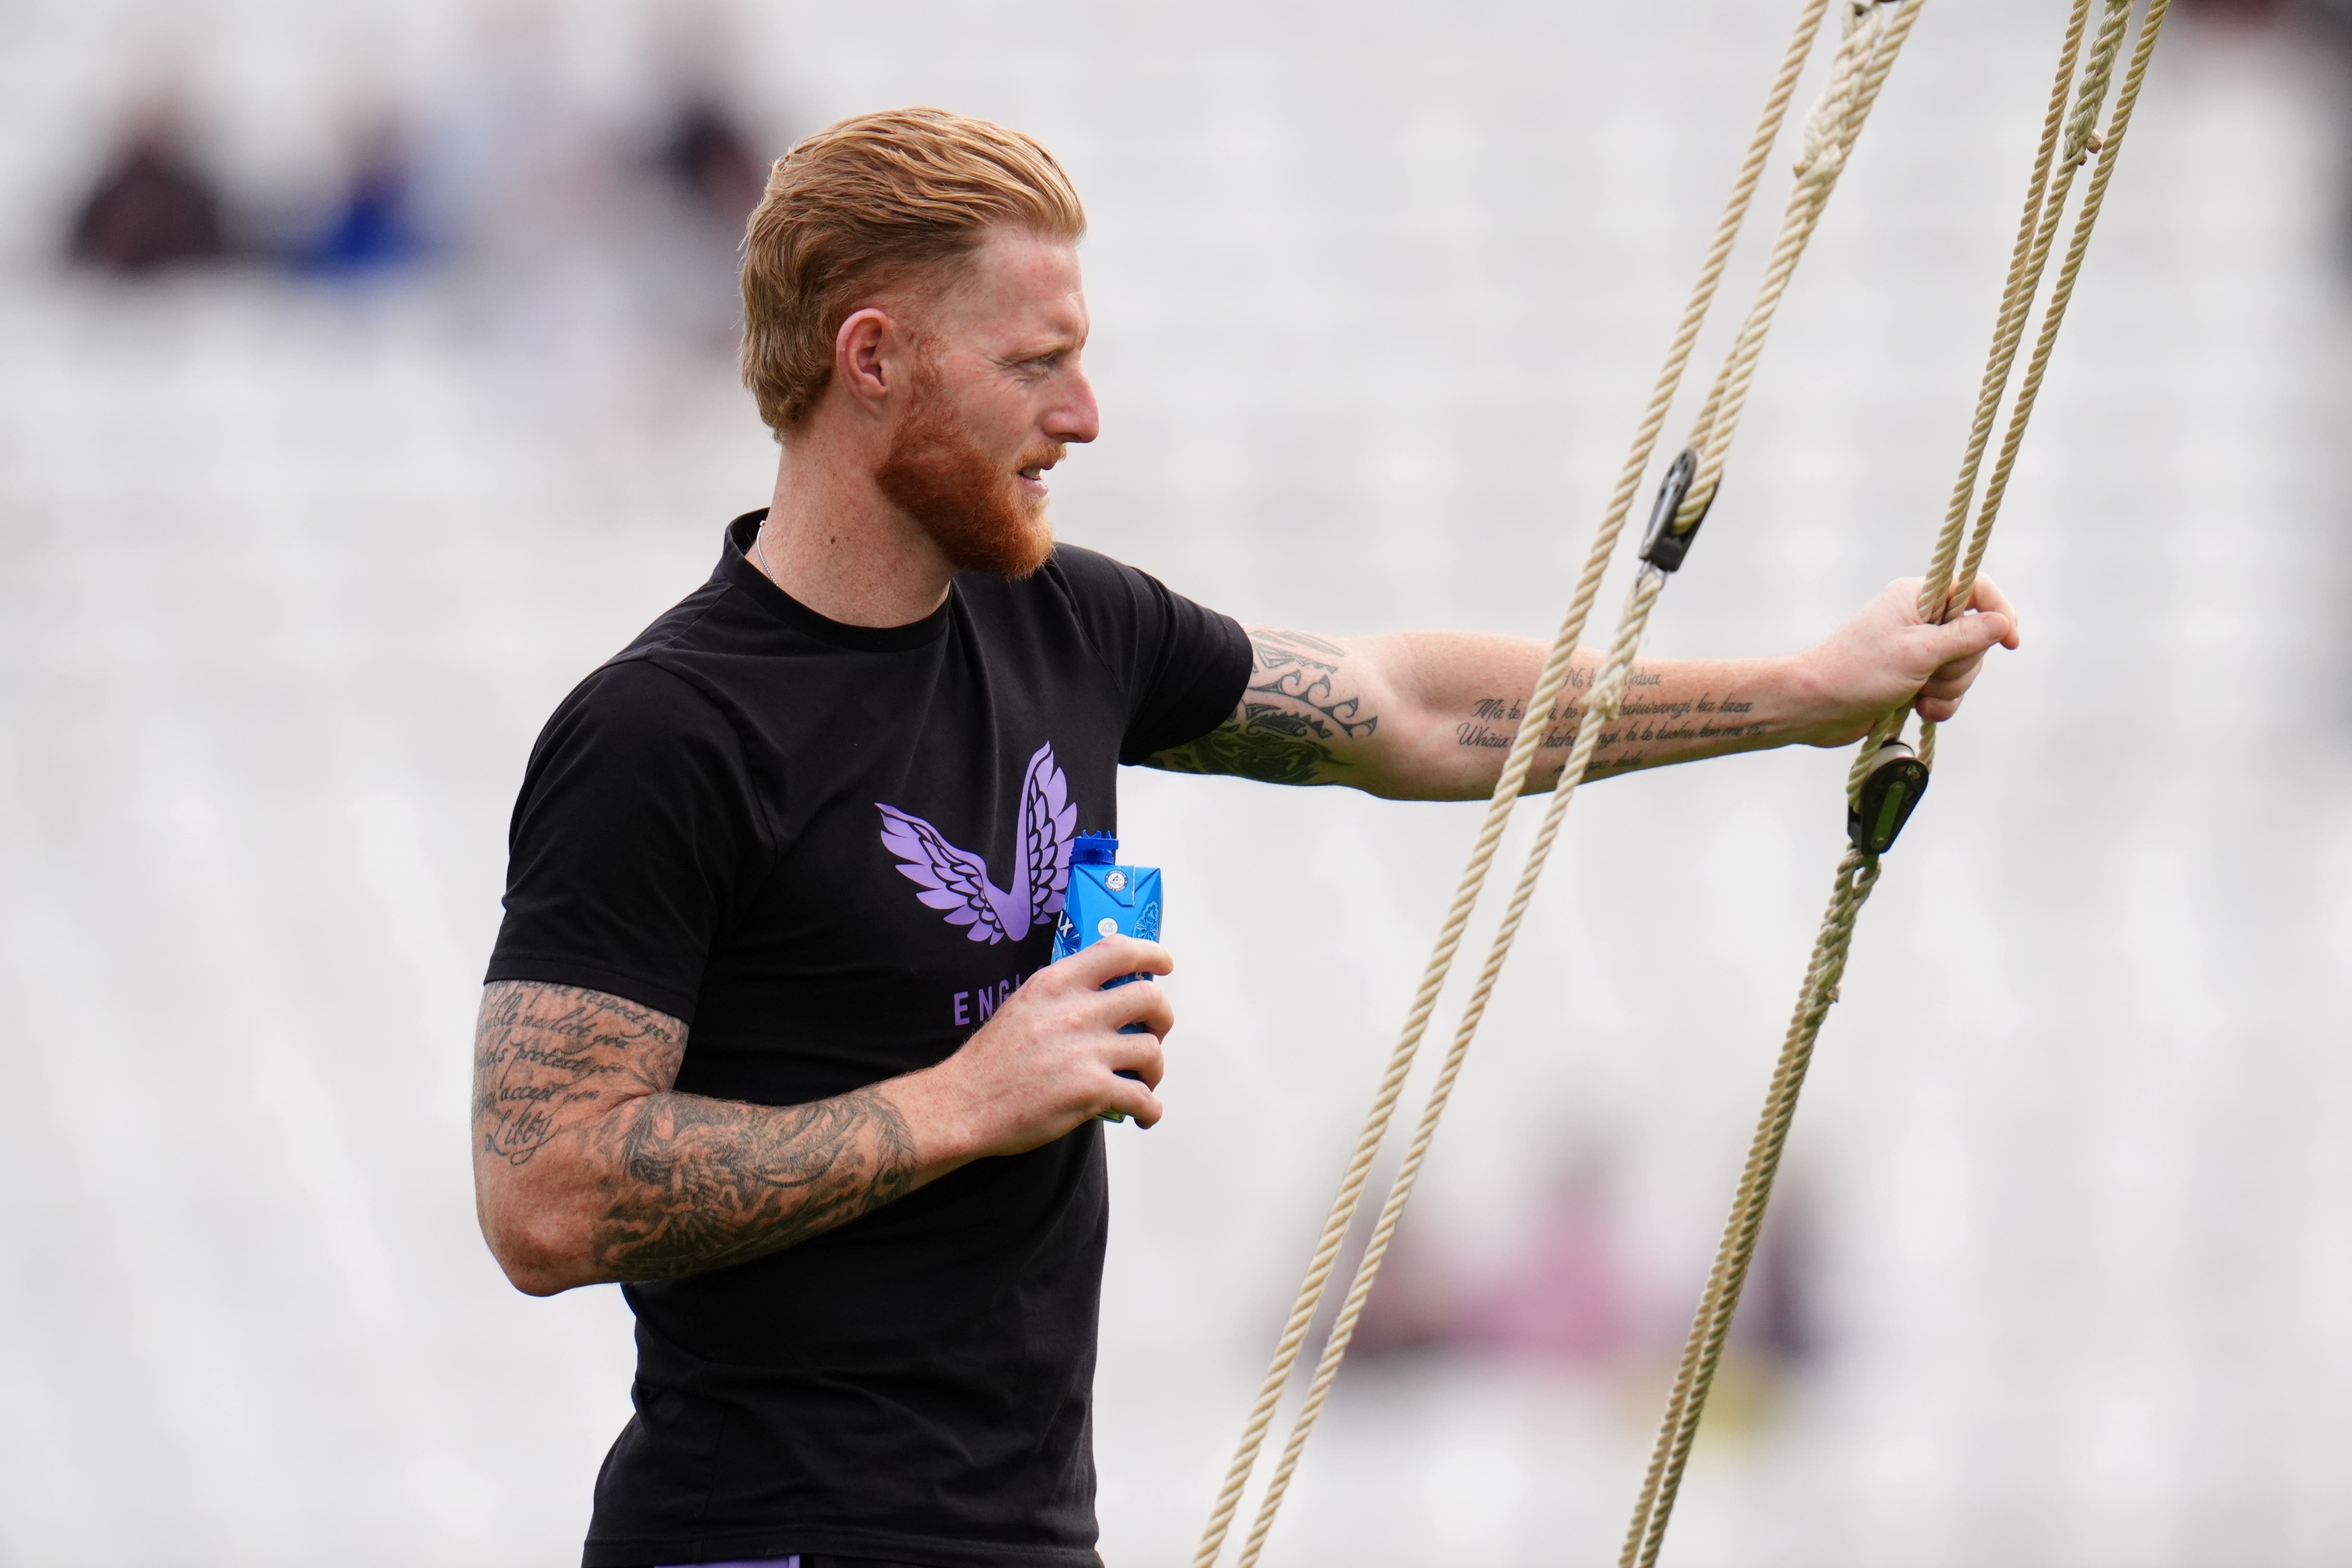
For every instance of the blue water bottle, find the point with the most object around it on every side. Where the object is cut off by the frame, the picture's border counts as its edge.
(1107, 899)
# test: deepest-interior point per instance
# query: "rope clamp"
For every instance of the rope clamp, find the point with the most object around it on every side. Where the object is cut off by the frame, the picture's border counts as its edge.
(1879, 809)
(1664, 546)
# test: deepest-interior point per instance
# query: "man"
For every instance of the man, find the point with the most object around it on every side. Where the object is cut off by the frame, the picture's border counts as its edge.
(820, 815)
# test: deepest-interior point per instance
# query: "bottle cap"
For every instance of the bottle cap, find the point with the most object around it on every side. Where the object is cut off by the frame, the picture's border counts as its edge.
(1095, 849)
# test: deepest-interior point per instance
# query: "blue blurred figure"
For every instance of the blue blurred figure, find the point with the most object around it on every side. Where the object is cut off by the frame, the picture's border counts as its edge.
(375, 228)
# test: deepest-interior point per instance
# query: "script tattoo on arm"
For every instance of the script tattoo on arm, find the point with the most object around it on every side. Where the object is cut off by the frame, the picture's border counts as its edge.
(576, 1127)
(1647, 730)
(547, 1058)
(1293, 726)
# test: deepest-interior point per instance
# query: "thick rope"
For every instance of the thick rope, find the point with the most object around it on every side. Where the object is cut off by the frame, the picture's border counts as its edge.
(1873, 35)
(2032, 247)
(1942, 595)
(1508, 786)
(2106, 146)
(1608, 689)
(1856, 875)
(2037, 226)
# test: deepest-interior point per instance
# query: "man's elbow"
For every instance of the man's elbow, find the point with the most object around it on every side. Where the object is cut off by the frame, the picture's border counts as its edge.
(1423, 763)
(543, 1249)
(538, 1277)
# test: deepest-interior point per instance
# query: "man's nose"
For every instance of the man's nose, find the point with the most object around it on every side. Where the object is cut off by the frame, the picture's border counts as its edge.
(1075, 419)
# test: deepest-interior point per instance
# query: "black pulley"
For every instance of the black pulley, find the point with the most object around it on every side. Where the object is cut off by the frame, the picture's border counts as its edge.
(1893, 787)
(1664, 547)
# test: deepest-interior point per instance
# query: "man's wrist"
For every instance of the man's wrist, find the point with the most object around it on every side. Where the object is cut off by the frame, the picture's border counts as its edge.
(1806, 712)
(1812, 706)
(938, 1116)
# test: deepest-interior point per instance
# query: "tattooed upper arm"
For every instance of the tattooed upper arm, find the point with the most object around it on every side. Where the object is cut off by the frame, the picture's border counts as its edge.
(1301, 719)
(547, 1058)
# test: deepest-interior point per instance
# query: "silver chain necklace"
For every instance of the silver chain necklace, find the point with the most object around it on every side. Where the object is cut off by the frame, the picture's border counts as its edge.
(759, 548)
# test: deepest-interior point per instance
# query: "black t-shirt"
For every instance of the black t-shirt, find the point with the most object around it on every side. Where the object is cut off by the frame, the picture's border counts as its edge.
(834, 850)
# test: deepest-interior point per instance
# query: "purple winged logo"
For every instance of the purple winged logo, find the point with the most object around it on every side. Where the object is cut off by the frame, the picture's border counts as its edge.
(956, 882)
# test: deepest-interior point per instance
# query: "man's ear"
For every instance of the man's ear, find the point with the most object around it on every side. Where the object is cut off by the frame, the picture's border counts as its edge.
(874, 360)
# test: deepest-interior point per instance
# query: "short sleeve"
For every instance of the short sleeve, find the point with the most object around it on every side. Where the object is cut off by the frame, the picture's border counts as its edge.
(1184, 665)
(632, 835)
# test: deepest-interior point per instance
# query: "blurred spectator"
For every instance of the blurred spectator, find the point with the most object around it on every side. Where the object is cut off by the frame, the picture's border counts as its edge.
(1412, 1306)
(711, 161)
(518, 182)
(1563, 1295)
(702, 180)
(1566, 1295)
(2331, 22)
(703, 172)
(1778, 1321)
(153, 206)
(374, 228)
(2333, 16)
(2235, 10)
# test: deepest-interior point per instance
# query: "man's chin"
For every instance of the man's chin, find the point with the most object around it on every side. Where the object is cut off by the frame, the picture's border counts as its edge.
(1003, 545)
(972, 508)
(1014, 553)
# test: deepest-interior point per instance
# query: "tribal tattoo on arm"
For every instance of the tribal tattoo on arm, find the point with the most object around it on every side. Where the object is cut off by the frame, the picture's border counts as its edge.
(573, 1111)
(1299, 720)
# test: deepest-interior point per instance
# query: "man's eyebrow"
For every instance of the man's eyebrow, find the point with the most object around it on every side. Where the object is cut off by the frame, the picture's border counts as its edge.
(1044, 349)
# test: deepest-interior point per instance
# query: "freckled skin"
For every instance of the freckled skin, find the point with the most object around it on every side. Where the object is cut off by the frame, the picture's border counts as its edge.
(1422, 715)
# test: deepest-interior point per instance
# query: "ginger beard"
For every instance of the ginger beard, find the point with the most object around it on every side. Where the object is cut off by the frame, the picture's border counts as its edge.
(968, 502)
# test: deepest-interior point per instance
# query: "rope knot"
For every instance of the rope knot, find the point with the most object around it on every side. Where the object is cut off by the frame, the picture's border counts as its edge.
(1819, 165)
(1837, 114)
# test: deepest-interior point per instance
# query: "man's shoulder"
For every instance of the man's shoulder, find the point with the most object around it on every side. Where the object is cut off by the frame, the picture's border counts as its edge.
(675, 673)
(636, 701)
(695, 622)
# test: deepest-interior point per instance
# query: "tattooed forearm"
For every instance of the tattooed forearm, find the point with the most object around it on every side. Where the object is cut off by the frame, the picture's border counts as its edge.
(706, 1183)
(1293, 726)
(1448, 710)
(588, 1166)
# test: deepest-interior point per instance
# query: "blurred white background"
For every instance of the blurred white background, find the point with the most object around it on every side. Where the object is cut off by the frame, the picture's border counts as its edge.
(300, 541)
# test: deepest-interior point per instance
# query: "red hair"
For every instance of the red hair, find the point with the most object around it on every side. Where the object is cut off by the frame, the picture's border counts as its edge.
(866, 204)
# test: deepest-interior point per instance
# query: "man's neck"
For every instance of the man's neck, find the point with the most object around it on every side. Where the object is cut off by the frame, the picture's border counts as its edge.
(834, 542)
